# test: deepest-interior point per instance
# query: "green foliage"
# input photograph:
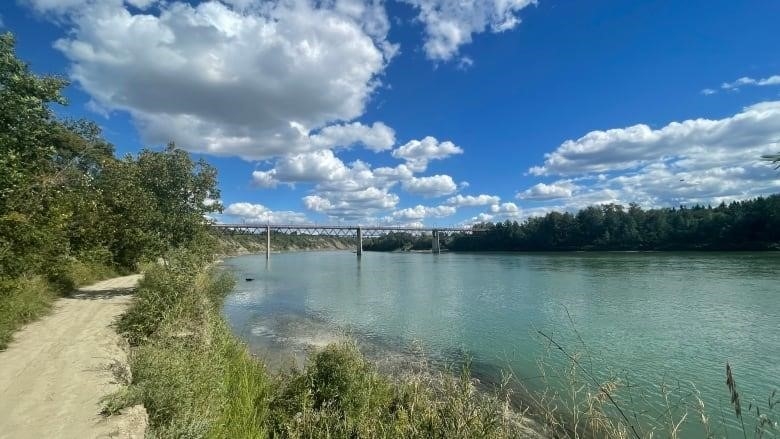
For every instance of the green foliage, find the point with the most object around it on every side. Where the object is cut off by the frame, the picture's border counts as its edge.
(70, 212)
(398, 241)
(740, 225)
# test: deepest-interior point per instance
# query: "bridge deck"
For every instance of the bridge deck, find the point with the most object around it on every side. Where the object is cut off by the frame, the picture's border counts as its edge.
(359, 232)
(278, 227)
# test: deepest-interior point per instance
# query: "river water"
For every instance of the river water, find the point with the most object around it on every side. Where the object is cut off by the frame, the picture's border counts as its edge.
(648, 318)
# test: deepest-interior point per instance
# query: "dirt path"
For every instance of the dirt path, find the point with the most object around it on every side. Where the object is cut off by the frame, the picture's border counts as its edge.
(54, 373)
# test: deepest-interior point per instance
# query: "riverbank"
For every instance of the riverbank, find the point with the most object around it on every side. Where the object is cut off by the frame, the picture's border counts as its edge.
(55, 372)
(195, 378)
(235, 245)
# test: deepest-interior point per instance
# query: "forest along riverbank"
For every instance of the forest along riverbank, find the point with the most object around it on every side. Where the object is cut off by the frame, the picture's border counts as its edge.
(56, 371)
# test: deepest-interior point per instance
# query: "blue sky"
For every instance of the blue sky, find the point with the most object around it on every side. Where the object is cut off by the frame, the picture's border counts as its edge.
(428, 111)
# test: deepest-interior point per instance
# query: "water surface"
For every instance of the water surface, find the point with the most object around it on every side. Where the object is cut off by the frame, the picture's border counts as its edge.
(651, 317)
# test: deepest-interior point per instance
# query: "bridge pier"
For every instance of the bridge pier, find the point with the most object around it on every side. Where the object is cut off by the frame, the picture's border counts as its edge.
(268, 242)
(359, 241)
(436, 248)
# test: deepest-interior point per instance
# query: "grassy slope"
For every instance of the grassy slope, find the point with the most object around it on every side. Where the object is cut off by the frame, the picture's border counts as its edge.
(241, 244)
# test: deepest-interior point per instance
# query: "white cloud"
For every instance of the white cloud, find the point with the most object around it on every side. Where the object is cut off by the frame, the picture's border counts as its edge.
(708, 91)
(318, 166)
(329, 173)
(471, 200)
(695, 161)
(351, 206)
(481, 218)
(433, 186)
(256, 80)
(449, 24)
(378, 137)
(735, 85)
(418, 153)
(505, 208)
(257, 213)
(421, 212)
(350, 191)
(737, 139)
(542, 191)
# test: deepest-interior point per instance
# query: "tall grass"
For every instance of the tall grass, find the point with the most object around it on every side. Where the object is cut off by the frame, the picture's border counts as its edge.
(27, 298)
(578, 403)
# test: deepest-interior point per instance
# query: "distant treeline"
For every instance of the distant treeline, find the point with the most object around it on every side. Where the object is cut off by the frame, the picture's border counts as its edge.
(740, 225)
(398, 241)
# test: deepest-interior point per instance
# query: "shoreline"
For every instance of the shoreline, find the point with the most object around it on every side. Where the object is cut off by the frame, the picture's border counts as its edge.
(207, 374)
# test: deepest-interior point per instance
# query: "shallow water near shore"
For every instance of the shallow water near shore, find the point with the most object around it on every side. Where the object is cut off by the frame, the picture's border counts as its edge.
(650, 317)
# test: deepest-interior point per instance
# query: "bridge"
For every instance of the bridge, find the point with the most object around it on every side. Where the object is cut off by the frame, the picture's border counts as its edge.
(336, 230)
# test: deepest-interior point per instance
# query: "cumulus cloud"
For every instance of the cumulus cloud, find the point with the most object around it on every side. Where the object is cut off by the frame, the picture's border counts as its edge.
(318, 166)
(506, 208)
(418, 153)
(708, 91)
(330, 173)
(449, 24)
(745, 80)
(542, 191)
(377, 137)
(421, 212)
(736, 139)
(433, 186)
(351, 206)
(246, 78)
(694, 161)
(471, 200)
(257, 213)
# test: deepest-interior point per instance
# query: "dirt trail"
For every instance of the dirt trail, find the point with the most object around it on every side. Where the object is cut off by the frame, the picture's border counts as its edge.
(54, 373)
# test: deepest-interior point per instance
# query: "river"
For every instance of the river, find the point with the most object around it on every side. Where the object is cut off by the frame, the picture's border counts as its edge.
(648, 318)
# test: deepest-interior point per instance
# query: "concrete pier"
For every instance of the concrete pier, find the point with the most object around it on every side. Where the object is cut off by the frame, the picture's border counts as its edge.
(436, 248)
(268, 242)
(359, 241)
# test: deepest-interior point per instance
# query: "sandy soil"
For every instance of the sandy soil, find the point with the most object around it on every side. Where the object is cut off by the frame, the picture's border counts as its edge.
(54, 373)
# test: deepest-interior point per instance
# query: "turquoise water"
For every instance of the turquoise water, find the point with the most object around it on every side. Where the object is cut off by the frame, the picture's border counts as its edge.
(650, 318)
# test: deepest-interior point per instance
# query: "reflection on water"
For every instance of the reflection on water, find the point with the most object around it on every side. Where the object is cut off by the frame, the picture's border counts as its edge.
(655, 316)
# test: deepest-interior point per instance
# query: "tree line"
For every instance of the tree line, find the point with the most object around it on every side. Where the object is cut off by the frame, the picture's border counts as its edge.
(739, 225)
(68, 204)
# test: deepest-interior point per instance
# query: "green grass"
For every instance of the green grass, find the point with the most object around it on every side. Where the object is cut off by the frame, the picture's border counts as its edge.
(22, 301)
(26, 299)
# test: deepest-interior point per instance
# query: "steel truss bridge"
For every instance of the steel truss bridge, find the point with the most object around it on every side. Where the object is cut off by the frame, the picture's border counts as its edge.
(358, 232)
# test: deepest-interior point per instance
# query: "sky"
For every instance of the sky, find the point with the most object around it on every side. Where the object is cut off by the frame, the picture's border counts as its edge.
(428, 112)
